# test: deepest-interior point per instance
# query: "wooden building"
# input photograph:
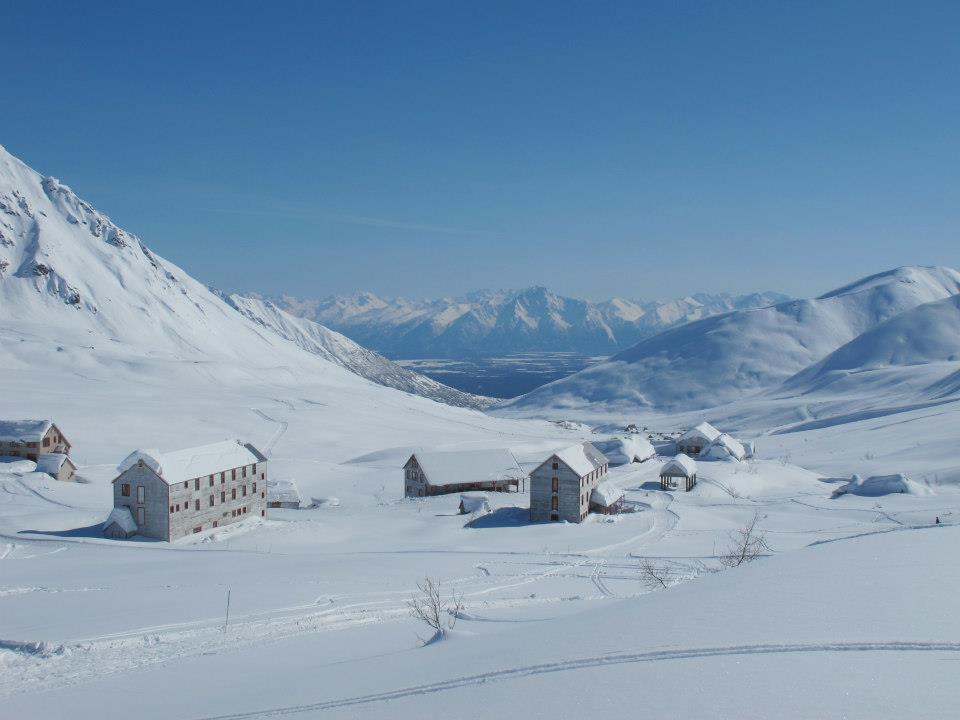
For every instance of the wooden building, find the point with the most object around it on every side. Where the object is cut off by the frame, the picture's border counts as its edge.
(606, 498)
(171, 495)
(283, 494)
(562, 485)
(56, 465)
(31, 439)
(679, 473)
(696, 439)
(440, 473)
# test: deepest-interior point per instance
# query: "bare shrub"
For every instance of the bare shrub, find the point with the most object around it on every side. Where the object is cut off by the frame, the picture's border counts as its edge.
(429, 607)
(654, 576)
(746, 544)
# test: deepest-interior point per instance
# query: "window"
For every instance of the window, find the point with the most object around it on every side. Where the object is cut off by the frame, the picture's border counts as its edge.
(211, 481)
(555, 484)
(46, 442)
(244, 490)
(223, 478)
(186, 484)
(216, 524)
(233, 513)
(233, 474)
(171, 509)
(211, 501)
(233, 494)
(254, 489)
(178, 507)
(263, 513)
(141, 516)
(125, 490)
(197, 529)
(139, 493)
(556, 466)
(554, 503)
(196, 505)
(223, 497)
(262, 494)
(262, 475)
(244, 470)
(196, 483)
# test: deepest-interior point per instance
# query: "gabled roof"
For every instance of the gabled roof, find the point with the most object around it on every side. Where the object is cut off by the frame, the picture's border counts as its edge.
(724, 445)
(681, 465)
(583, 459)
(123, 518)
(703, 430)
(182, 465)
(468, 466)
(24, 430)
(606, 494)
(52, 462)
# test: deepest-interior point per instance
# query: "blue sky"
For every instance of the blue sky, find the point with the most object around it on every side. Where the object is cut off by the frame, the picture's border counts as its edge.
(638, 149)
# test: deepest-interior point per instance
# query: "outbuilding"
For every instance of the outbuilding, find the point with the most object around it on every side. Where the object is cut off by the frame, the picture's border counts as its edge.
(606, 498)
(724, 448)
(283, 494)
(474, 504)
(696, 439)
(679, 473)
(120, 524)
(32, 438)
(56, 465)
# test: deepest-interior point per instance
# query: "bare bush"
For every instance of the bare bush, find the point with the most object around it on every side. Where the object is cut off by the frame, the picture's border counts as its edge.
(746, 544)
(654, 576)
(429, 607)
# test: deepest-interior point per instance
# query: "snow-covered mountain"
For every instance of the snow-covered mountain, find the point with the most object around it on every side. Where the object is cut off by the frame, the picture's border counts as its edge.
(499, 322)
(72, 278)
(343, 351)
(725, 357)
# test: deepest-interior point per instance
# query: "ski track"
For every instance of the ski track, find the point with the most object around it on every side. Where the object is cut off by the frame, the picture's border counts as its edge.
(591, 662)
(275, 438)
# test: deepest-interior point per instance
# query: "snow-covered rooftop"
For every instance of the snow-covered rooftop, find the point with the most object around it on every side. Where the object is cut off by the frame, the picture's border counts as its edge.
(23, 430)
(284, 491)
(181, 465)
(51, 462)
(123, 518)
(724, 446)
(466, 466)
(624, 450)
(606, 494)
(582, 459)
(681, 465)
(703, 430)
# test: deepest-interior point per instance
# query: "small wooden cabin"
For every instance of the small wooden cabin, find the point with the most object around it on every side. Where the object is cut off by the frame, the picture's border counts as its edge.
(680, 473)
(606, 499)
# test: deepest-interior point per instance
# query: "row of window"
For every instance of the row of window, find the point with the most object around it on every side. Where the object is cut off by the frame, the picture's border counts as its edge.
(212, 500)
(223, 476)
(235, 513)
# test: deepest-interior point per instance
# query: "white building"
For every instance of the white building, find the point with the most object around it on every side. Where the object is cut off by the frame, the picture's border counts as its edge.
(440, 473)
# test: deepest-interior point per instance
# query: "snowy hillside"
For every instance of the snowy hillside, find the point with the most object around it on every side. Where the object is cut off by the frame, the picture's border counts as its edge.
(333, 346)
(501, 322)
(71, 279)
(722, 358)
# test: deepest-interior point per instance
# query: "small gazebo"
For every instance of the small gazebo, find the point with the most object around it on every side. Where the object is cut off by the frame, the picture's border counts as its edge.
(680, 473)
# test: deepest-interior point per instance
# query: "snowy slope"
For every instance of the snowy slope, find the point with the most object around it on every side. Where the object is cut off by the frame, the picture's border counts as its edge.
(333, 346)
(725, 357)
(497, 322)
(70, 276)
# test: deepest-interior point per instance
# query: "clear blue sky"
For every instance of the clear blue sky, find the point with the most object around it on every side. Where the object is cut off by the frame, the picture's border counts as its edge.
(636, 149)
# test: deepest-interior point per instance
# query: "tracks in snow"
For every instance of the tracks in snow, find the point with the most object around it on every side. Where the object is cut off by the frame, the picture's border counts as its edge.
(591, 662)
(275, 438)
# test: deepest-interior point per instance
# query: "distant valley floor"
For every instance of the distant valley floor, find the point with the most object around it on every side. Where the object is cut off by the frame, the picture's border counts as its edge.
(504, 376)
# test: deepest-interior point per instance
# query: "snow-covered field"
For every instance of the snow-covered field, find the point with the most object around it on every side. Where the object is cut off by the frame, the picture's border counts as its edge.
(848, 613)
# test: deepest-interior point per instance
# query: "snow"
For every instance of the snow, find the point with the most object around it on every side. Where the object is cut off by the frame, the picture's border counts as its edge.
(23, 430)
(704, 431)
(468, 466)
(724, 447)
(606, 494)
(470, 504)
(557, 620)
(877, 485)
(680, 465)
(582, 458)
(50, 462)
(195, 462)
(123, 518)
(624, 450)
(283, 491)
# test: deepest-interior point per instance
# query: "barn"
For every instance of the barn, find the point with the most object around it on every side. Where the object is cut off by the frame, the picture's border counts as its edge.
(440, 473)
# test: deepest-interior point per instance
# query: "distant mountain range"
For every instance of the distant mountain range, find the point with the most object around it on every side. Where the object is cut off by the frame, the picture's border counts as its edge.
(894, 332)
(502, 322)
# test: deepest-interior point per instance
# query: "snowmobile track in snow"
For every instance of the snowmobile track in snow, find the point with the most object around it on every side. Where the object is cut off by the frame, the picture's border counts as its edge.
(595, 661)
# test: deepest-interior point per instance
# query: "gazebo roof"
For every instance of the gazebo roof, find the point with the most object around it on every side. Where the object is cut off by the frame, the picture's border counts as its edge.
(680, 466)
